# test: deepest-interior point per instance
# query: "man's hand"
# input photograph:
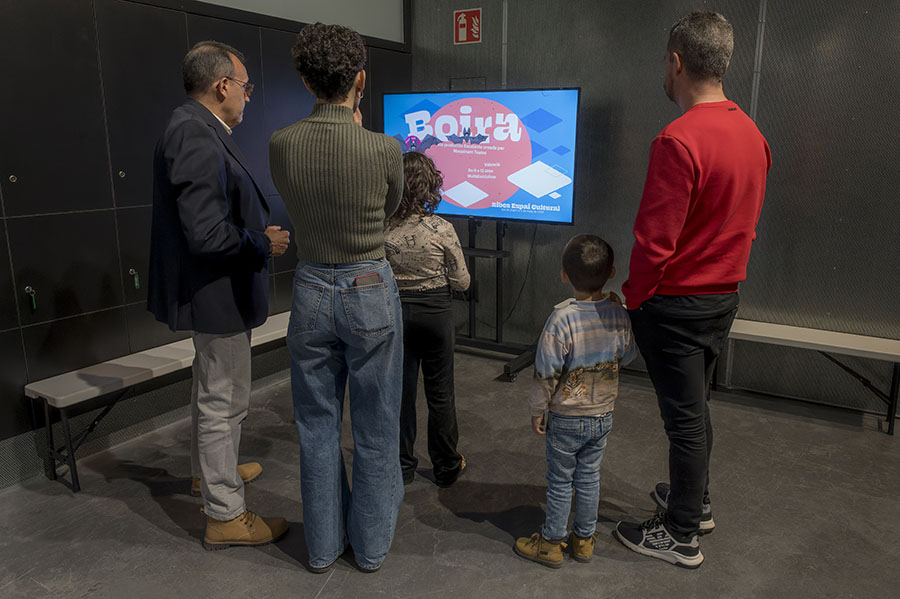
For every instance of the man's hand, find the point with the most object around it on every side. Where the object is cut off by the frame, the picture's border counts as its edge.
(537, 425)
(279, 239)
(357, 117)
(614, 298)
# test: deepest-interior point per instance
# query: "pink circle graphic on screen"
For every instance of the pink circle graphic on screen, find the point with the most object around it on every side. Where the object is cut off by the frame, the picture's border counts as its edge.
(482, 143)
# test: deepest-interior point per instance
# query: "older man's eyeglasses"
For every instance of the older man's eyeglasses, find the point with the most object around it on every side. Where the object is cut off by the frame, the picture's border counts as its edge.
(248, 87)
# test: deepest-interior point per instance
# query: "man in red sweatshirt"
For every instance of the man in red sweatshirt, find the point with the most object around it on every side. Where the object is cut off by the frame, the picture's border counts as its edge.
(697, 219)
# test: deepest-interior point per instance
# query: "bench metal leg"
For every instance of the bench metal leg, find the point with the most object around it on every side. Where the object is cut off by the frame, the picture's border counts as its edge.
(70, 451)
(890, 399)
(892, 404)
(49, 460)
(66, 453)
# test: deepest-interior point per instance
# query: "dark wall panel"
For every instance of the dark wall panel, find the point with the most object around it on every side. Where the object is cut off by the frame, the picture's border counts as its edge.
(76, 271)
(250, 135)
(8, 316)
(272, 296)
(134, 245)
(52, 135)
(15, 412)
(144, 331)
(288, 260)
(387, 72)
(284, 288)
(92, 85)
(63, 345)
(287, 101)
(141, 49)
(365, 103)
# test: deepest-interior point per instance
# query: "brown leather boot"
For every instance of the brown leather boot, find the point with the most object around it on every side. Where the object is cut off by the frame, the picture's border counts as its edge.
(582, 549)
(248, 472)
(246, 529)
(540, 550)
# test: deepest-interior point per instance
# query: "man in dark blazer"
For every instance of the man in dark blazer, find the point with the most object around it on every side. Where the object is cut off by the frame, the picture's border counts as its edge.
(209, 253)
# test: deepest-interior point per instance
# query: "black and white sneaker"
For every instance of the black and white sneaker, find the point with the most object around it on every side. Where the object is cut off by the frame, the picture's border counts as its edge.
(660, 495)
(652, 538)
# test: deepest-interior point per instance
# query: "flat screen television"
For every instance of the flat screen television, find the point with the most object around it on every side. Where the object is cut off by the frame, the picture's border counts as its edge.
(503, 154)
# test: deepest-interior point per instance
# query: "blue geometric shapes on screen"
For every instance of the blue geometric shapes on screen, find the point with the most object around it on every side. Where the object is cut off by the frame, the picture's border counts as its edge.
(428, 105)
(561, 150)
(540, 120)
(537, 149)
(539, 179)
(465, 194)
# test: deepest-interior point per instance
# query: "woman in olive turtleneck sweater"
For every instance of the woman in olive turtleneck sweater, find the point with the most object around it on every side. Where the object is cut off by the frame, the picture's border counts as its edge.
(339, 182)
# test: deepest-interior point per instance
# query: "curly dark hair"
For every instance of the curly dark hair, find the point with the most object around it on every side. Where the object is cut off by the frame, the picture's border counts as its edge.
(421, 189)
(328, 58)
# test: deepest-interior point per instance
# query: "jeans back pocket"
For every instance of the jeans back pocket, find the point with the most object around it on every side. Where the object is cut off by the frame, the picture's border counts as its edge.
(566, 434)
(305, 303)
(369, 309)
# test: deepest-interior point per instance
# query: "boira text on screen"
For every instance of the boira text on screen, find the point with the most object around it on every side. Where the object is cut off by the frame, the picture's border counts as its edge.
(506, 155)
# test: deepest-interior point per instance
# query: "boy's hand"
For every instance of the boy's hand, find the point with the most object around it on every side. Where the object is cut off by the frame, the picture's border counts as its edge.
(537, 425)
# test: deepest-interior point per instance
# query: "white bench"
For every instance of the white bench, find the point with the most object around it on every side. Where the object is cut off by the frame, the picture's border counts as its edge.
(827, 343)
(114, 379)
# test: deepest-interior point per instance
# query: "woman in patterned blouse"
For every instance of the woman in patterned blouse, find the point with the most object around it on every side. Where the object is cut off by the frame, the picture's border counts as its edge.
(428, 262)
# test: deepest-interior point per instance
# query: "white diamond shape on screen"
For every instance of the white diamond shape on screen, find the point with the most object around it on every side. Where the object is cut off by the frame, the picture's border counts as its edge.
(555, 195)
(538, 179)
(465, 194)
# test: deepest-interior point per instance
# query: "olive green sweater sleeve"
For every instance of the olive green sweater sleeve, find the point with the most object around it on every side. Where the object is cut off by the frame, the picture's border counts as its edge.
(338, 182)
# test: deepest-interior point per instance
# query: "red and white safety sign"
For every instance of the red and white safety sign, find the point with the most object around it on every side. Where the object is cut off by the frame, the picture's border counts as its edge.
(467, 26)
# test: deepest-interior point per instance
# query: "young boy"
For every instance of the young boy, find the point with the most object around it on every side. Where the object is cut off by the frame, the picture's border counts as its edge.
(576, 377)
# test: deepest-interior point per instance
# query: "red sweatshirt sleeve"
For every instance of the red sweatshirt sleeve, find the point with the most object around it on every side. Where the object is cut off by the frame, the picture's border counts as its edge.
(661, 217)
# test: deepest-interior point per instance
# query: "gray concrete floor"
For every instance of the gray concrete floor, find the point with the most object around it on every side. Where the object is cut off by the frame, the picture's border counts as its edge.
(805, 502)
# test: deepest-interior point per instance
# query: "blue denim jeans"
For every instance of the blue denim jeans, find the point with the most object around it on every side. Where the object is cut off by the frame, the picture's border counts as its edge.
(575, 446)
(346, 327)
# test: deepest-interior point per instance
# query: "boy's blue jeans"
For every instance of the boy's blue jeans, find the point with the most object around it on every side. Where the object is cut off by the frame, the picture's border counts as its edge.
(575, 446)
(339, 332)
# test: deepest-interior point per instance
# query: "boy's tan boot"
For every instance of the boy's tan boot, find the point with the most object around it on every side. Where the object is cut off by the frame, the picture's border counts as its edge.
(582, 549)
(246, 529)
(248, 472)
(540, 550)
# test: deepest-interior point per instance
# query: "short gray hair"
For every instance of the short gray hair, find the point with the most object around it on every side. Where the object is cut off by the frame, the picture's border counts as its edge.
(704, 41)
(207, 62)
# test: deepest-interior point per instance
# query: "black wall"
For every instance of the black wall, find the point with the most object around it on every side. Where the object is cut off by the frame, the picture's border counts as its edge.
(90, 87)
(828, 249)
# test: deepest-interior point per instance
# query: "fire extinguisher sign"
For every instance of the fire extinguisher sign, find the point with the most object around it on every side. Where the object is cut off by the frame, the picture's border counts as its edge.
(467, 26)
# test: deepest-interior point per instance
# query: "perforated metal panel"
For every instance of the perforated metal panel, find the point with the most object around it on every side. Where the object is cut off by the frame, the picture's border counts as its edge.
(829, 238)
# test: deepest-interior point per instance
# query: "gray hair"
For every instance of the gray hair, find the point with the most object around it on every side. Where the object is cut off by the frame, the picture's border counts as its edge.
(704, 41)
(205, 63)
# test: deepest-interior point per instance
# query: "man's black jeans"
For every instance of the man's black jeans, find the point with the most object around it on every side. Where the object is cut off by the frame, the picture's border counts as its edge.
(428, 339)
(680, 338)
